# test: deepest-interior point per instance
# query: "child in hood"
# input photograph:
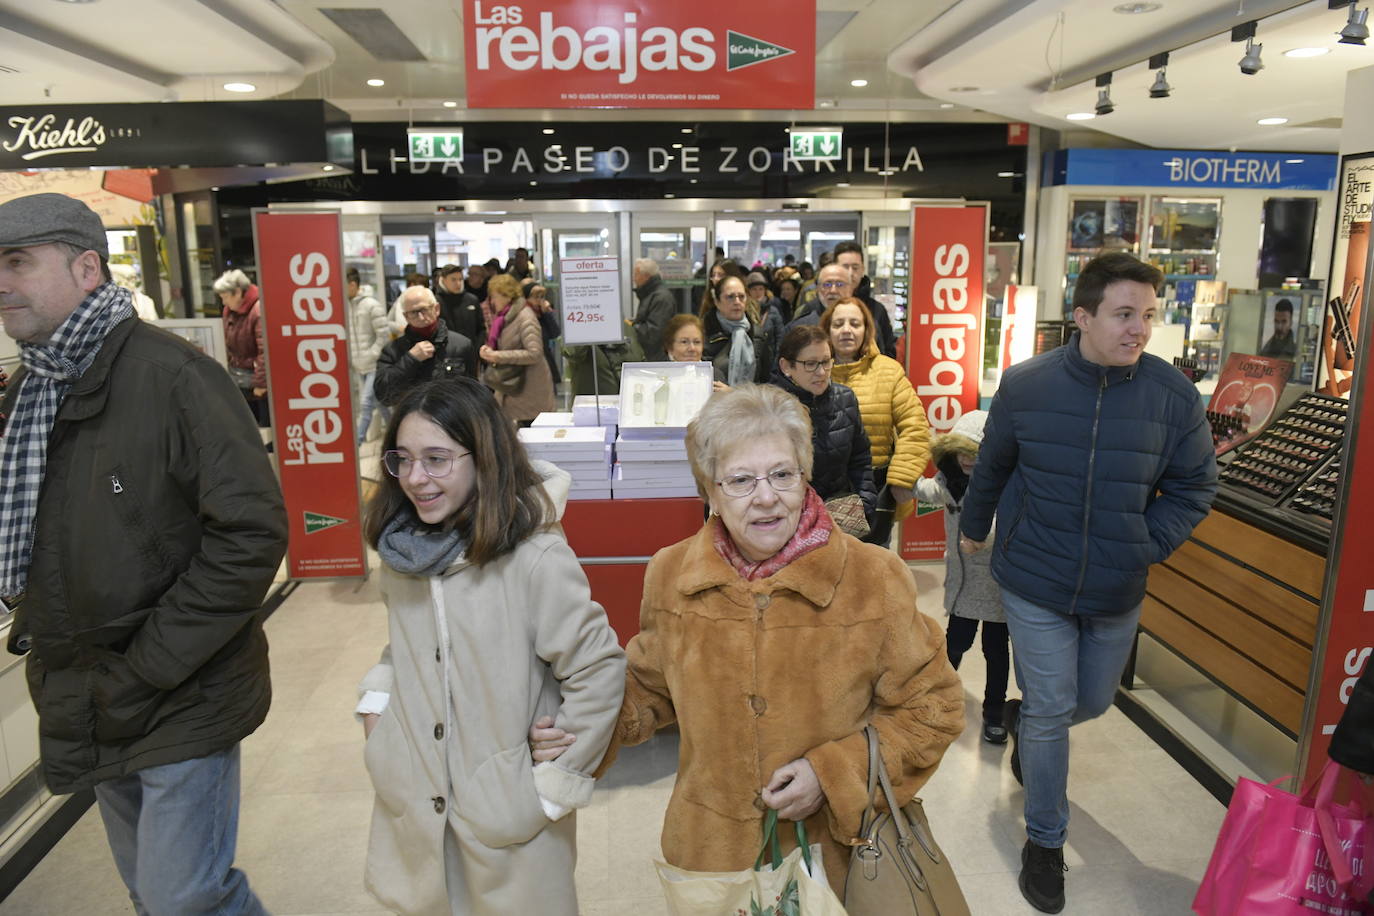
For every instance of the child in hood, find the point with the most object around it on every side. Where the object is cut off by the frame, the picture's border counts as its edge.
(971, 595)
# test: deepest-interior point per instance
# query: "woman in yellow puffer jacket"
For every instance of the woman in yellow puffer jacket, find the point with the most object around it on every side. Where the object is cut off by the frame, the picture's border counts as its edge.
(892, 414)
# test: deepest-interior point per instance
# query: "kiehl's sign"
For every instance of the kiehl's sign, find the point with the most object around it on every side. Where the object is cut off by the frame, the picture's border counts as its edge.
(640, 54)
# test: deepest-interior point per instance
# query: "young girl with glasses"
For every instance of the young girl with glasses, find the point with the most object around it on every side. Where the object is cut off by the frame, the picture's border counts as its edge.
(492, 626)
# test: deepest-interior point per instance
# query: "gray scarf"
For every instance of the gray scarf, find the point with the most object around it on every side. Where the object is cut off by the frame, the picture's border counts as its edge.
(741, 369)
(408, 546)
(52, 368)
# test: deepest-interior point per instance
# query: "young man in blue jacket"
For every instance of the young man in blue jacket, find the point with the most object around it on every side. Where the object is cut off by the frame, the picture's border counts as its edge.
(1097, 459)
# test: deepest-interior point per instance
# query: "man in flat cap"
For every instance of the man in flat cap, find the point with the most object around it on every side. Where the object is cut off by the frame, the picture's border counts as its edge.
(140, 527)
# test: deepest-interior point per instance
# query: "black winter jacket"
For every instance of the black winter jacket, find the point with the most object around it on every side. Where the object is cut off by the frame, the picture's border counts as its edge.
(842, 462)
(717, 349)
(1095, 474)
(398, 372)
(462, 312)
(1352, 744)
(656, 307)
(160, 527)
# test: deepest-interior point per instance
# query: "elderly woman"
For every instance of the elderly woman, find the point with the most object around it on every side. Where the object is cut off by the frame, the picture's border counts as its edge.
(892, 413)
(243, 338)
(736, 343)
(772, 639)
(683, 339)
(842, 473)
(514, 354)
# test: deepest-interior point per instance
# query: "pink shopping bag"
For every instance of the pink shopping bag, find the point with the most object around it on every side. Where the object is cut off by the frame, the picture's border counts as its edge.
(1279, 854)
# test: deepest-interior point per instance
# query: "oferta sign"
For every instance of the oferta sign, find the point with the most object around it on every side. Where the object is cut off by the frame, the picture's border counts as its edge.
(640, 54)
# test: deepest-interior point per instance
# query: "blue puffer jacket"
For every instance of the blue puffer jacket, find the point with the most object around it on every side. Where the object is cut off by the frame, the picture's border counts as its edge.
(1095, 474)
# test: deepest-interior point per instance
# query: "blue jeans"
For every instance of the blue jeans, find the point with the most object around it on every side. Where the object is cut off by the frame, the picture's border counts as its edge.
(367, 397)
(172, 830)
(1068, 668)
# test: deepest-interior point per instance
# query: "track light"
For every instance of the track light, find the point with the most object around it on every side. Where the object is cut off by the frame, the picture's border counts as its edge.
(1251, 64)
(1161, 88)
(1104, 95)
(1355, 31)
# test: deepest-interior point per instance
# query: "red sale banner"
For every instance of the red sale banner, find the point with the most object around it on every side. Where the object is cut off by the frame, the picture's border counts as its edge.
(304, 320)
(944, 338)
(1345, 630)
(640, 54)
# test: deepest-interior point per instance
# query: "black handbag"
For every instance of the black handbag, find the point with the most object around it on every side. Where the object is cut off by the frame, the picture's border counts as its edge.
(506, 379)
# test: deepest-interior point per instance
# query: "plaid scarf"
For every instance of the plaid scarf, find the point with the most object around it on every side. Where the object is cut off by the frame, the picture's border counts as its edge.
(813, 530)
(52, 368)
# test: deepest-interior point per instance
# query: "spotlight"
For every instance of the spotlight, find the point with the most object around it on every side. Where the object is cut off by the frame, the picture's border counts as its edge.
(1355, 31)
(1104, 95)
(1161, 88)
(1251, 64)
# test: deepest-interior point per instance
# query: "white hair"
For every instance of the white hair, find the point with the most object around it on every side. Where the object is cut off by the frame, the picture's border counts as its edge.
(231, 280)
(647, 266)
(412, 293)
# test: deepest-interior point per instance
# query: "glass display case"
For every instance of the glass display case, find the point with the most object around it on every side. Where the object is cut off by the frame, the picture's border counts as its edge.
(1097, 225)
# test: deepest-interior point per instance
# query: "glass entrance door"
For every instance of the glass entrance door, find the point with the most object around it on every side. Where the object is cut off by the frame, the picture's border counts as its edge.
(477, 240)
(575, 235)
(679, 242)
(768, 238)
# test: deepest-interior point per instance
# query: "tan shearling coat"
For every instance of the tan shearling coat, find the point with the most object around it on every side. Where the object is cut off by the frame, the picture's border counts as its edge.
(476, 655)
(522, 344)
(757, 674)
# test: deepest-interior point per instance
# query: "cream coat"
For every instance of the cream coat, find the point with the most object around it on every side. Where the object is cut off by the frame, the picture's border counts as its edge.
(476, 655)
(522, 344)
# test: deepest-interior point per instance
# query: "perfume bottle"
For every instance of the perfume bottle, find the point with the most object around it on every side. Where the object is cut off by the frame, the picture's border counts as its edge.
(637, 401)
(661, 401)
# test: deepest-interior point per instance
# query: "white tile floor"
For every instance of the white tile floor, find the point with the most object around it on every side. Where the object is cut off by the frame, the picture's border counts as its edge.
(1141, 832)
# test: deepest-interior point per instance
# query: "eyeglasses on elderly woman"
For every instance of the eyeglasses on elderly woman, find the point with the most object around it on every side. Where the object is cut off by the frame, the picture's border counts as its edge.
(738, 486)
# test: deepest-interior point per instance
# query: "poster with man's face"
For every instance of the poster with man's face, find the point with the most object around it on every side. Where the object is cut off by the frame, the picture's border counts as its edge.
(1279, 332)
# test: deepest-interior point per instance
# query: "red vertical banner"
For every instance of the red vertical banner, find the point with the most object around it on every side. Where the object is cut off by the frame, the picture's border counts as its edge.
(944, 338)
(305, 321)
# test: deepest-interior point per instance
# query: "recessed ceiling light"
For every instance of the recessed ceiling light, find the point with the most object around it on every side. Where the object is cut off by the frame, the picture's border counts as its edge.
(1270, 122)
(888, 173)
(548, 130)
(1080, 116)
(1294, 161)
(1131, 9)
(841, 184)
(826, 103)
(376, 82)
(240, 87)
(215, 188)
(327, 168)
(946, 104)
(963, 89)
(1006, 174)
(691, 181)
(677, 146)
(686, 130)
(450, 104)
(534, 184)
(858, 84)
(670, 195)
(1306, 52)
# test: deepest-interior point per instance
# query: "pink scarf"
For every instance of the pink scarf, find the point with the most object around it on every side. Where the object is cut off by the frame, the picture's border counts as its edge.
(813, 530)
(496, 326)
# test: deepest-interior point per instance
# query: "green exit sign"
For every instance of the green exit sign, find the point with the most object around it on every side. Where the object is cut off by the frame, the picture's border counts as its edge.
(817, 143)
(435, 145)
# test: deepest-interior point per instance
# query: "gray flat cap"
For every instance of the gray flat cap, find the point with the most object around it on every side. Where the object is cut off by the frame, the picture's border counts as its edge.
(40, 219)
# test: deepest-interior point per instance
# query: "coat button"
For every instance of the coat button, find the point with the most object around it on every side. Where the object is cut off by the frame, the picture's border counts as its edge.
(762, 601)
(439, 732)
(758, 803)
(439, 804)
(758, 704)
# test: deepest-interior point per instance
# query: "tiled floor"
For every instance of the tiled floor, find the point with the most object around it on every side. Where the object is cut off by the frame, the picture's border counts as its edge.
(1140, 836)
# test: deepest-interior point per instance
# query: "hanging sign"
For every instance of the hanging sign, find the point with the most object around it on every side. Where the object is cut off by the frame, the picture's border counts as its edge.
(304, 317)
(589, 299)
(944, 337)
(640, 54)
(809, 143)
(429, 145)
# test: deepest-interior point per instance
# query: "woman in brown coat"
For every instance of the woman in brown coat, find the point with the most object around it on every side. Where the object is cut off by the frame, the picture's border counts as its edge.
(772, 638)
(514, 354)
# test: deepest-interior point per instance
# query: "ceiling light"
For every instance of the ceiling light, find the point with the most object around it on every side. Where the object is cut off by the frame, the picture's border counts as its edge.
(858, 84)
(376, 82)
(1306, 52)
(534, 184)
(691, 181)
(677, 146)
(826, 103)
(240, 87)
(1006, 174)
(450, 104)
(1251, 64)
(1160, 89)
(686, 130)
(1131, 9)
(215, 188)
(548, 130)
(1271, 122)
(888, 173)
(1080, 116)
(327, 168)
(670, 195)
(1355, 31)
(841, 184)
(1104, 95)
(1294, 161)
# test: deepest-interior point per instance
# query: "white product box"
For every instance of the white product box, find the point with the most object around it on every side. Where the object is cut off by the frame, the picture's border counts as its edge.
(586, 470)
(622, 491)
(678, 471)
(571, 443)
(585, 412)
(658, 400)
(651, 449)
(554, 418)
(603, 492)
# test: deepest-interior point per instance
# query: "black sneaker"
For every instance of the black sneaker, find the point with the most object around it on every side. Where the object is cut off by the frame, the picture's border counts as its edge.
(1042, 877)
(994, 733)
(1011, 719)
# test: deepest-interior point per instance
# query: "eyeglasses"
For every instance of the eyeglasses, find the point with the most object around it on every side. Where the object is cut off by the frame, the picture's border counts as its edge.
(835, 284)
(398, 465)
(814, 365)
(417, 313)
(734, 297)
(780, 479)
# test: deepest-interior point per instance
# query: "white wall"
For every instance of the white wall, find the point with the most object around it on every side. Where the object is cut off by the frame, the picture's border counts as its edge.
(1357, 133)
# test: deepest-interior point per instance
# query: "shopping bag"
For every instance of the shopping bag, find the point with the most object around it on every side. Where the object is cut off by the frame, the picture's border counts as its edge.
(791, 885)
(1280, 854)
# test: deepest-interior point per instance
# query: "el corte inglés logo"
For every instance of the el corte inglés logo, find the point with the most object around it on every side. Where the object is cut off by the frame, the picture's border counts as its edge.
(318, 521)
(746, 50)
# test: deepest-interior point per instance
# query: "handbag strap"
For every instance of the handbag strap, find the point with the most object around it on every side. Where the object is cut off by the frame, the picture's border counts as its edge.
(877, 772)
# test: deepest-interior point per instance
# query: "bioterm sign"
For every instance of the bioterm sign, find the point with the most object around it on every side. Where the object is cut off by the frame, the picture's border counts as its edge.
(640, 54)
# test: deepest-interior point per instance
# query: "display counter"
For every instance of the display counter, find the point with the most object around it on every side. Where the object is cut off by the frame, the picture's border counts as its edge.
(614, 540)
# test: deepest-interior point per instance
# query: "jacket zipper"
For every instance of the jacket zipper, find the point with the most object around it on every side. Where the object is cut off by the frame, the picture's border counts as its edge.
(115, 485)
(1088, 497)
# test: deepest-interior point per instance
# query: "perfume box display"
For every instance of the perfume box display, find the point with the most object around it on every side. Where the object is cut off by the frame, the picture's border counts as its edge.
(565, 418)
(594, 410)
(583, 452)
(658, 400)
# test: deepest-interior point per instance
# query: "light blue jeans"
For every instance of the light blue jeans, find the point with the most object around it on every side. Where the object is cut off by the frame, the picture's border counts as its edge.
(367, 397)
(172, 830)
(1068, 668)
